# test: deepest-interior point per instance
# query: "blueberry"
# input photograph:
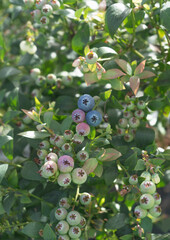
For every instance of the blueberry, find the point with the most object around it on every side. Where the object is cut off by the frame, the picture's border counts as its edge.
(86, 103)
(93, 118)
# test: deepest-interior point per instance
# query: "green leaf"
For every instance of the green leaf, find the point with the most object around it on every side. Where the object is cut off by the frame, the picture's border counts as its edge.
(116, 103)
(10, 115)
(115, 15)
(48, 233)
(66, 124)
(146, 224)
(131, 161)
(3, 170)
(125, 66)
(99, 170)
(34, 134)
(7, 72)
(48, 116)
(13, 178)
(2, 47)
(92, 67)
(156, 104)
(105, 95)
(112, 73)
(106, 51)
(109, 154)
(92, 133)
(30, 171)
(117, 84)
(140, 165)
(90, 165)
(165, 15)
(81, 38)
(4, 140)
(144, 137)
(79, 12)
(32, 229)
(157, 161)
(8, 202)
(55, 126)
(17, 2)
(110, 174)
(116, 222)
(25, 200)
(145, 75)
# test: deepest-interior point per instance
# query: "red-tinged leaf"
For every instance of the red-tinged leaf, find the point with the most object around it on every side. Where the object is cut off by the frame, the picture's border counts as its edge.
(125, 66)
(140, 68)
(99, 170)
(90, 165)
(134, 83)
(90, 78)
(32, 114)
(76, 62)
(109, 154)
(146, 74)
(112, 73)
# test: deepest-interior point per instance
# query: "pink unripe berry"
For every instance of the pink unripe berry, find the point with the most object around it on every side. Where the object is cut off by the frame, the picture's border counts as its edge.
(79, 176)
(60, 213)
(78, 116)
(83, 129)
(73, 218)
(64, 179)
(65, 163)
(64, 202)
(62, 227)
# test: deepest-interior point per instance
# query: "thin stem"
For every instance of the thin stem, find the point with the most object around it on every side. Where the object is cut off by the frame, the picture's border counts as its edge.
(11, 164)
(118, 162)
(133, 22)
(77, 193)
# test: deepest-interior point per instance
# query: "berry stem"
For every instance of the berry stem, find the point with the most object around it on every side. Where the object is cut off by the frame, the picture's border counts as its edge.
(118, 163)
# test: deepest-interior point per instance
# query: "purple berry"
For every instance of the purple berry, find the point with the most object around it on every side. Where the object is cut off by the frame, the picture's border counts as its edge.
(83, 129)
(65, 164)
(78, 116)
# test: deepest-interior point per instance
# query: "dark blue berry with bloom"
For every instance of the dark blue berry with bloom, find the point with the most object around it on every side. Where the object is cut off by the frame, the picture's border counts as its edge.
(93, 118)
(86, 103)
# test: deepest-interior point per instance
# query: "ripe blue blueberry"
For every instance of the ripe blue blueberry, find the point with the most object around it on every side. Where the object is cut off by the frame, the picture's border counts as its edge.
(93, 118)
(86, 103)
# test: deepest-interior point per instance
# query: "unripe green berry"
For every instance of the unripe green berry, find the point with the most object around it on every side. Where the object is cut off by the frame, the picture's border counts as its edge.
(44, 20)
(48, 169)
(41, 153)
(155, 178)
(68, 134)
(91, 57)
(79, 176)
(60, 213)
(146, 175)
(35, 72)
(62, 227)
(133, 180)
(146, 201)
(44, 145)
(140, 212)
(123, 123)
(147, 187)
(51, 157)
(121, 131)
(141, 105)
(85, 198)
(64, 179)
(82, 155)
(130, 106)
(64, 203)
(127, 115)
(75, 232)
(134, 122)
(51, 78)
(63, 237)
(157, 198)
(82, 223)
(139, 114)
(155, 211)
(59, 141)
(73, 218)
(66, 148)
(128, 137)
(78, 139)
(47, 10)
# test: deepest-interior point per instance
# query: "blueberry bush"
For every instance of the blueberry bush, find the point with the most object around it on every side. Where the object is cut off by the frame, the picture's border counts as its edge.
(84, 113)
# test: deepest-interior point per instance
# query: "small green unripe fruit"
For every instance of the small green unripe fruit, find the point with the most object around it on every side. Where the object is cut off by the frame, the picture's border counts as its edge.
(91, 57)
(62, 227)
(47, 10)
(64, 203)
(44, 145)
(48, 169)
(73, 218)
(127, 115)
(78, 139)
(79, 176)
(155, 178)
(68, 134)
(128, 137)
(51, 157)
(139, 114)
(82, 155)
(133, 180)
(147, 187)
(63, 237)
(66, 148)
(123, 123)
(60, 213)
(157, 198)
(85, 198)
(41, 153)
(140, 212)
(141, 105)
(44, 20)
(75, 232)
(155, 211)
(130, 106)
(134, 122)
(64, 179)
(82, 222)
(121, 131)
(59, 141)
(51, 78)
(146, 175)
(39, 80)
(146, 201)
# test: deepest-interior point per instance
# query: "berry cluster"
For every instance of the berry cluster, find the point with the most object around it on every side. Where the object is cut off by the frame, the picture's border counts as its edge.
(28, 46)
(85, 105)
(132, 114)
(42, 9)
(71, 223)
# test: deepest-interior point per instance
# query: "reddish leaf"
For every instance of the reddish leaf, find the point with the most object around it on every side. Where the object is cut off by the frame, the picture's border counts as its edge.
(134, 83)
(109, 154)
(90, 78)
(90, 165)
(32, 114)
(112, 73)
(140, 68)
(99, 170)
(125, 79)
(146, 74)
(125, 66)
